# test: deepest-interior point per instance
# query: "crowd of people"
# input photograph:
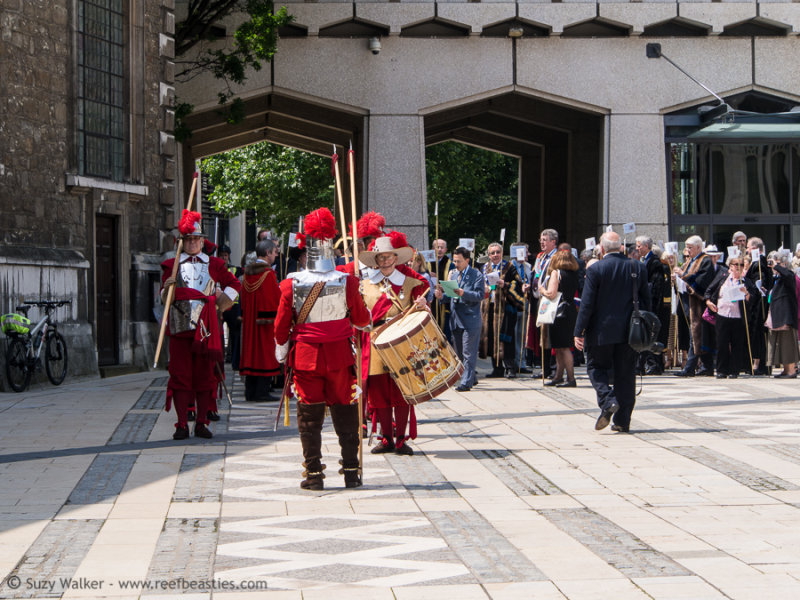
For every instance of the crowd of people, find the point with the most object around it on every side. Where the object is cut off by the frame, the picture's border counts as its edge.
(305, 309)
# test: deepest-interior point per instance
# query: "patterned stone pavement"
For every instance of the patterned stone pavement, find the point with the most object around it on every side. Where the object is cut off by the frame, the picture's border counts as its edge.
(511, 494)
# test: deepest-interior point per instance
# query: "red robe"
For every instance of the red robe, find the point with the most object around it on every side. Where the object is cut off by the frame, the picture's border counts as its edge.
(322, 355)
(259, 300)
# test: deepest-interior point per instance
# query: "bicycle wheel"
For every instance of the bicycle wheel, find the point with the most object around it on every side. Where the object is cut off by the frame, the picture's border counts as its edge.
(55, 358)
(17, 371)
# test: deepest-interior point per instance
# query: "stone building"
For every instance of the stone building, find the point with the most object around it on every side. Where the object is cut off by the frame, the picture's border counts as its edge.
(87, 168)
(601, 130)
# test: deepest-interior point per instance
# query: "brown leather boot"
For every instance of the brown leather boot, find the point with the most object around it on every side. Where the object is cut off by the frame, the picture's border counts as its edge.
(310, 418)
(345, 422)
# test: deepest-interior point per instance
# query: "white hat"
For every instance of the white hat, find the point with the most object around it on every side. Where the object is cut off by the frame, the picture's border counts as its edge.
(712, 250)
(385, 244)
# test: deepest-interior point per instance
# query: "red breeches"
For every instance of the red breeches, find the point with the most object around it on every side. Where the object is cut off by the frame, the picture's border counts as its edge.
(330, 387)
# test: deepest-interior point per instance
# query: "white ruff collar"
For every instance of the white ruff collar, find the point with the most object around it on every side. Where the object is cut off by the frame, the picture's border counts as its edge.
(396, 278)
(202, 257)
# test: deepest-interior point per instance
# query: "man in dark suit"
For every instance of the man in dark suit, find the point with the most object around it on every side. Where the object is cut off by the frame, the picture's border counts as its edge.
(602, 328)
(465, 314)
(650, 363)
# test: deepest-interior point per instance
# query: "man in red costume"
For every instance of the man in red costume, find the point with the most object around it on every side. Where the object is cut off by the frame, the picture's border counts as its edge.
(316, 315)
(195, 338)
(260, 297)
(387, 292)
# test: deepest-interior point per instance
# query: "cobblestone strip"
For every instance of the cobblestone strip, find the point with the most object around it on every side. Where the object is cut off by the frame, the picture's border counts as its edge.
(482, 549)
(150, 400)
(185, 549)
(134, 428)
(752, 477)
(515, 473)
(53, 558)
(706, 425)
(420, 477)
(461, 428)
(628, 554)
(159, 382)
(103, 480)
(788, 451)
(566, 399)
(199, 479)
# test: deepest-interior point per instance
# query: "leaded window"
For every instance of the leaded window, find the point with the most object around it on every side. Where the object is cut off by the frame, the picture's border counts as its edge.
(101, 89)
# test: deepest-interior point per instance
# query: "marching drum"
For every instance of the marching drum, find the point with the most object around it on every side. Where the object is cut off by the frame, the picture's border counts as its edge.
(417, 356)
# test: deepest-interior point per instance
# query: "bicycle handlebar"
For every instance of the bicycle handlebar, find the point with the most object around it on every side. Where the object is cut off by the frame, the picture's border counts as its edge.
(48, 304)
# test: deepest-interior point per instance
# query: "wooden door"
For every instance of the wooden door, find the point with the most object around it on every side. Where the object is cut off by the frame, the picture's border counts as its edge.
(106, 286)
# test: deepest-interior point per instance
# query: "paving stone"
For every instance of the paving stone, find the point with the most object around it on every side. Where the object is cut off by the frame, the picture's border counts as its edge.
(515, 473)
(199, 478)
(788, 451)
(134, 428)
(103, 480)
(185, 549)
(706, 425)
(420, 477)
(159, 382)
(485, 552)
(53, 557)
(566, 399)
(615, 545)
(752, 477)
(150, 400)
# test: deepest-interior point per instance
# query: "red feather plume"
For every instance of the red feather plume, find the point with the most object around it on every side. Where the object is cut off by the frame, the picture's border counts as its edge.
(320, 224)
(300, 240)
(371, 224)
(399, 239)
(188, 219)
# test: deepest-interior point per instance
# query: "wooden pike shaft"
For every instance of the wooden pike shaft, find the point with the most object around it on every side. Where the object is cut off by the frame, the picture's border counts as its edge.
(352, 168)
(171, 291)
(342, 219)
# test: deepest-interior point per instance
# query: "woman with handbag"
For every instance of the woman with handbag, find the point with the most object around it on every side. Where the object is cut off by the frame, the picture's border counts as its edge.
(782, 317)
(562, 278)
(725, 304)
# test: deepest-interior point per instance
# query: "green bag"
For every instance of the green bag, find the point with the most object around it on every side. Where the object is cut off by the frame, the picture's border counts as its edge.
(13, 324)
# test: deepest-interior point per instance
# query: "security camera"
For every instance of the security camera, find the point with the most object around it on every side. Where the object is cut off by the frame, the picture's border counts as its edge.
(375, 45)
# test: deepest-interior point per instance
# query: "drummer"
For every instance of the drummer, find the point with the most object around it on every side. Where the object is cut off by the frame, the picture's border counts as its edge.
(388, 292)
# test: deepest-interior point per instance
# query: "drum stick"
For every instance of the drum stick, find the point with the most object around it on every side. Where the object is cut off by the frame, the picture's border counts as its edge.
(171, 291)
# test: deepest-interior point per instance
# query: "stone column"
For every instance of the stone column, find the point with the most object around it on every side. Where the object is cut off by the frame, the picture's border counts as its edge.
(396, 178)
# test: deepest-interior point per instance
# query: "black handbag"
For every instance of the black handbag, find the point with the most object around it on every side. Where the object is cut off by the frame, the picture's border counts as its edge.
(644, 326)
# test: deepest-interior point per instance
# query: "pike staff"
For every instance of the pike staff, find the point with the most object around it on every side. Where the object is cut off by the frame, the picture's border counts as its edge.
(351, 168)
(175, 265)
(338, 184)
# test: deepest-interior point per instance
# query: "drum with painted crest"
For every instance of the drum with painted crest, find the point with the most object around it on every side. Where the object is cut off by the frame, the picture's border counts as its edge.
(417, 356)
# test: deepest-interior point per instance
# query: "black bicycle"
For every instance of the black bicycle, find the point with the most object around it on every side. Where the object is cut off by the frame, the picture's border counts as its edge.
(24, 351)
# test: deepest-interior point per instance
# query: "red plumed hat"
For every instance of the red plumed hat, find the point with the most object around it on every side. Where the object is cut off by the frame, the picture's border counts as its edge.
(190, 223)
(320, 224)
(370, 224)
(398, 238)
(300, 240)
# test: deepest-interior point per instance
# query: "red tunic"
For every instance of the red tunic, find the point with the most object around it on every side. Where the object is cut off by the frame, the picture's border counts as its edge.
(321, 356)
(259, 300)
(189, 369)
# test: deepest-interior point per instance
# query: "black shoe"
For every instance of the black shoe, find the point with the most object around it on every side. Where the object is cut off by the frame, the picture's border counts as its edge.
(191, 416)
(525, 371)
(568, 383)
(733, 376)
(495, 374)
(463, 388)
(684, 374)
(510, 374)
(202, 431)
(605, 416)
(383, 447)
(655, 372)
(620, 428)
(554, 382)
(721, 376)
(705, 373)
(213, 415)
(181, 433)
(761, 372)
(404, 449)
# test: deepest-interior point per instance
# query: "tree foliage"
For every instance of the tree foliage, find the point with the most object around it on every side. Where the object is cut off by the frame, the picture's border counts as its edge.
(278, 183)
(477, 194)
(254, 42)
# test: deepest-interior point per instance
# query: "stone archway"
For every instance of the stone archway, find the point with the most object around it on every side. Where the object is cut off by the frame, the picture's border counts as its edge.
(560, 152)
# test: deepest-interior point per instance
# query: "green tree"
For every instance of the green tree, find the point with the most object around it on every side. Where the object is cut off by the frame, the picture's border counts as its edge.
(254, 42)
(477, 194)
(278, 183)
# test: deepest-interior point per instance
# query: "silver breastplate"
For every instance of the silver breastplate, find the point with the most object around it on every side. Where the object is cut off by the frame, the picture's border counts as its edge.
(186, 313)
(331, 305)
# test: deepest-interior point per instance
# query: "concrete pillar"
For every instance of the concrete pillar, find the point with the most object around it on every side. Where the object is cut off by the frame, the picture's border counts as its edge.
(637, 177)
(530, 198)
(396, 184)
(237, 229)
